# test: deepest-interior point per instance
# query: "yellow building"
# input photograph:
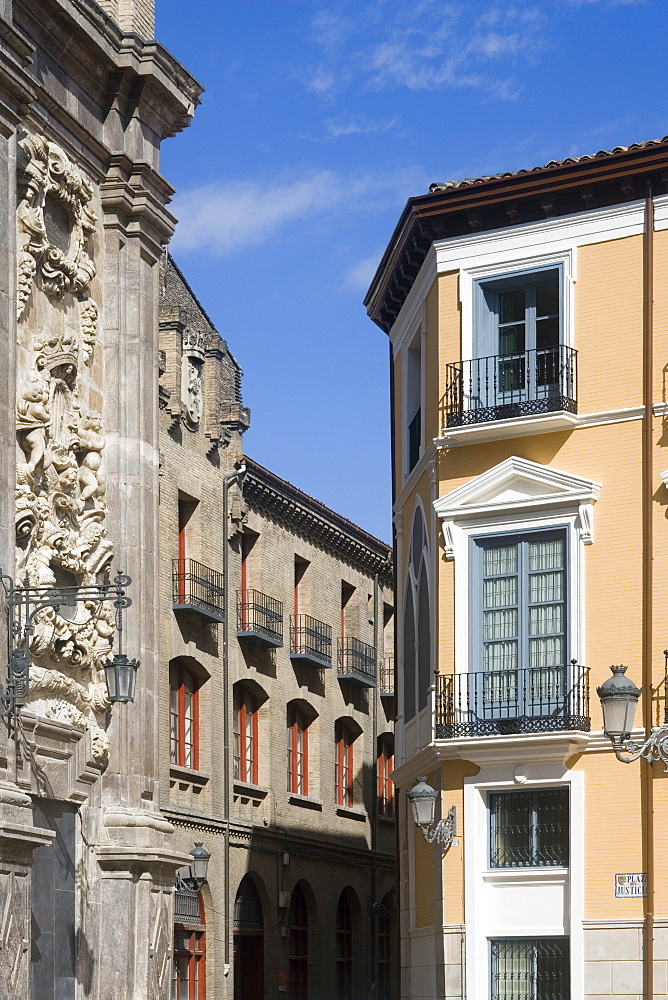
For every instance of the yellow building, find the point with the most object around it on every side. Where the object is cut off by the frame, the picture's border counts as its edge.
(528, 319)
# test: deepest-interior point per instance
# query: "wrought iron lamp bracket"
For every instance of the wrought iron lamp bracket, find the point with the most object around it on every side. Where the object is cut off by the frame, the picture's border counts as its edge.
(443, 832)
(25, 601)
(654, 749)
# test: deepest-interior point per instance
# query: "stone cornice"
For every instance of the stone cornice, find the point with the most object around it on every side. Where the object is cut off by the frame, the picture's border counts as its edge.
(283, 502)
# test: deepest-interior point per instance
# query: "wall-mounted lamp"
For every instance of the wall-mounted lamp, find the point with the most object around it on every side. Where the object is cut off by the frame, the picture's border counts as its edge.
(619, 697)
(192, 877)
(24, 605)
(422, 798)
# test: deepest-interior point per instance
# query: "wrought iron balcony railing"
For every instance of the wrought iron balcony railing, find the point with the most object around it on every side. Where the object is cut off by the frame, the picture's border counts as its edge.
(387, 676)
(259, 617)
(357, 662)
(508, 702)
(198, 588)
(513, 385)
(310, 640)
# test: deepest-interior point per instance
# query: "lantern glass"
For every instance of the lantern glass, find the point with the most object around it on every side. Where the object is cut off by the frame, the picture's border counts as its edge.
(619, 697)
(200, 862)
(120, 676)
(423, 800)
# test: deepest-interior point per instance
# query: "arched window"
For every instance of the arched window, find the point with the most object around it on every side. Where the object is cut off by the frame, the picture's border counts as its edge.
(183, 716)
(245, 734)
(248, 942)
(298, 721)
(346, 732)
(385, 764)
(344, 949)
(417, 623)
(298, 946)
(188, 970)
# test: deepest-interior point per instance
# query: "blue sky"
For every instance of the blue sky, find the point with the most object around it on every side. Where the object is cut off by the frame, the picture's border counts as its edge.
(319, 120)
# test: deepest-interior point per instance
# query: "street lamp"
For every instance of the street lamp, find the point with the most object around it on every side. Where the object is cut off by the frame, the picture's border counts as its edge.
(422, 798)
(192, 877)
(619, 697)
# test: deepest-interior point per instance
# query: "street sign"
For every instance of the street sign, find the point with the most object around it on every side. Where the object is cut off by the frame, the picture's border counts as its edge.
(630, 884)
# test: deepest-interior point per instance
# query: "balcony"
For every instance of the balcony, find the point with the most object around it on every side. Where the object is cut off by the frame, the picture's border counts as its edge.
(357, 662)
(502, 387)
(509, 702)
(259, 617)
(198, 588)
(387, 678)
(310, 641)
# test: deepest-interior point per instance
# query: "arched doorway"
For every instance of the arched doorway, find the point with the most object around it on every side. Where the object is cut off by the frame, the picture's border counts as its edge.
(248, 943)
(188, 969)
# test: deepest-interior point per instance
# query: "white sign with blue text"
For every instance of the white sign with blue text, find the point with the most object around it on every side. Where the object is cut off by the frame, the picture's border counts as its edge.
(630, 884)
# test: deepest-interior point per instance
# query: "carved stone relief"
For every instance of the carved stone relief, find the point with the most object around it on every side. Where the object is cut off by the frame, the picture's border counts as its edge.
(14, 918)
(60, 492)
(55, 221)
(192, 361)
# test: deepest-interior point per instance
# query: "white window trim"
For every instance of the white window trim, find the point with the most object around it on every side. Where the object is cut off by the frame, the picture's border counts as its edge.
(472, 276)
(480, 928)
(418, 330)
(513, 497)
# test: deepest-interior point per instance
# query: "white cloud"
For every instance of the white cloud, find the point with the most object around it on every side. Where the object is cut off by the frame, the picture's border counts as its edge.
(221, 218)
(359, 275)
(336, 128)
(425, 45)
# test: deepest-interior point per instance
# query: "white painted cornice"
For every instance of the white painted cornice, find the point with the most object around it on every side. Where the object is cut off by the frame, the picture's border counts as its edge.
(516, 484)
(547, 423)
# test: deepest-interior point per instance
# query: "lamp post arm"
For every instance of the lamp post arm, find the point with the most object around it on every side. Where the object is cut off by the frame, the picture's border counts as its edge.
(655, 748)
(444, 831)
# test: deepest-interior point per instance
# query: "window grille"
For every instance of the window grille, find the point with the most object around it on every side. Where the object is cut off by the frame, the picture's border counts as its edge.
(529, 828)
(530, 969)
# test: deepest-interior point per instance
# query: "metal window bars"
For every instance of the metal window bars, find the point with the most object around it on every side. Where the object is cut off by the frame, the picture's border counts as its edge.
(500, 386)
(530, 969)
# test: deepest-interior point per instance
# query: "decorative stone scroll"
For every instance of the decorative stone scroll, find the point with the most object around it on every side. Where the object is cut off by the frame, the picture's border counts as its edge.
(55, 222)
(60, 490)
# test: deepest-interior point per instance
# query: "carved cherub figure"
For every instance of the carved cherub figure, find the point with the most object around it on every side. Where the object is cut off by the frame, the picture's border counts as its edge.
(32, 421)
(90, 446)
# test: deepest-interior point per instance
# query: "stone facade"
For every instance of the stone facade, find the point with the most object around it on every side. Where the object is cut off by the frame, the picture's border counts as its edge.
(278, 838)
(84, 106)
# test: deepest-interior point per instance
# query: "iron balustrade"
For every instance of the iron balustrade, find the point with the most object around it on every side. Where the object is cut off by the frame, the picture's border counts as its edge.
(311, 640)
(507, 702)
(387, 675)
(198, 588)
(512, 385)
(357, 661)
(260, 616)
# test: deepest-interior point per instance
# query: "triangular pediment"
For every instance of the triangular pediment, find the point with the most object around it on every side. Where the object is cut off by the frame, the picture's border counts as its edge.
(514, 484)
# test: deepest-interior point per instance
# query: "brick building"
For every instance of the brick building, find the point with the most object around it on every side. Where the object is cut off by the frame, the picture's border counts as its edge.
(276, 706)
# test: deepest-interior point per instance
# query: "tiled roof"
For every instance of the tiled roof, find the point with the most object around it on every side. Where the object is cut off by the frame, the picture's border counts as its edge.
(439, 186)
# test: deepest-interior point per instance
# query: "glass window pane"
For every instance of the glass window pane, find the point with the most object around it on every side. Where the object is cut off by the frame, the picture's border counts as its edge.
(500, 656)
(500, 593)
(511, 340)
(512, 305)
(545, 619)
(547, 335)
(547, 298)
(546, 554)
(548, 652)
(499, 624)
(500, 560)
(544, 587)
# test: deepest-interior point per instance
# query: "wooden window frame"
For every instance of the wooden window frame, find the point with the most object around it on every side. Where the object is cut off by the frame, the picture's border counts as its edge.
(297, 755)
(385, 764)
(245, 704)
(179, 675)
(344, 949)
(195, 955)
(344, 770)
(298, 945)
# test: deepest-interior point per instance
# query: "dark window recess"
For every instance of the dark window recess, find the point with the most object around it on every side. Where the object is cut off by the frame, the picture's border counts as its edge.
(530, 969)
(414, 439)
(529, 829)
